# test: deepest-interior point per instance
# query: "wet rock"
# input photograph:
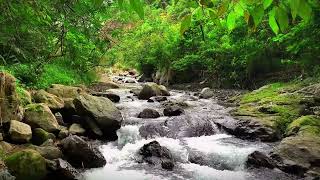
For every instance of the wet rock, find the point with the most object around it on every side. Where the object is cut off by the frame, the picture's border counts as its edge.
(40, 115)
(39, 136)
(20, 132)
(158, 98)
(155, 154)
(51, 100)
(249, 128)
(258, 159)
(206, 93)
(101, 111)
(149, 113)
(26, 165)
(135, 91)
(178, 127)
(152, 89)
(61, 169)
(9, 104)
(298, 155)
(130, 80)
(76, 129)
(145, 78)
(81, 154)
(103, 86)
(113, 97)
(150, 101)
(173, 111)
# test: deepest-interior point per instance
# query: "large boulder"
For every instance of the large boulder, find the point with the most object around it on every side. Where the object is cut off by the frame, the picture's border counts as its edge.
(9, 104)
(152, 89)
(206, 93)
(155, 154)
(178, 127)
(113, 97)
(53, 101)
(101, 111)
(40, 115)
(149, 113)
(47, 151)
(61, 169)
(20, 132)
(298, 155)
(258, 159)
(81, 154)
(26, 165)
(65, 92)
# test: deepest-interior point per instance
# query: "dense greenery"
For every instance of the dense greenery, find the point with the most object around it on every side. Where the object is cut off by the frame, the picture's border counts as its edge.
(232, 43)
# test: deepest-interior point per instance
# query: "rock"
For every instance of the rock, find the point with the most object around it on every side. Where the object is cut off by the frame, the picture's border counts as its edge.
(80, 154)
(305, 125)
(206, 93)
(103, 86)
(250, 128)
(5, 147)
(150, 101)
(102, 112)
(20, 132)
(173, 111)
(40, 115)
(48, 151)
(65, 92)
(76, 129)
(135, 91)
(39, 136)
(113, 97)
(144, 78)
(149, 113)
(26, 165)
(52, 101)
(59, 118)
(1, 137)
(159, 98)
(5, 175)
(298, 155)
(9, 104)
(24, 96)
(178, 127)
(61, 169)
(258, 159)
(152, 89)
(63, 133)
(129, 80)
(155, 154)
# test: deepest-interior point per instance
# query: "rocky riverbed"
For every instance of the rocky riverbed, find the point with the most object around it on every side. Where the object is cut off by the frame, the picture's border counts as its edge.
(131, 130)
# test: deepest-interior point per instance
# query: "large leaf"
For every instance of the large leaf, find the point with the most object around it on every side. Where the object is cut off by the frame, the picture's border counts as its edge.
(231, 21)
(185, 23)
(305, 10)
(294, 6)
(137, 6)
(257, 15)
(272, 21)
(282, 18)
(267, 3)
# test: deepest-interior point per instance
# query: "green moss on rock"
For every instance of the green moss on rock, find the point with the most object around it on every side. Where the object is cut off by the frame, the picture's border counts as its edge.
(306, 125)
(39, 136)
(26, 165)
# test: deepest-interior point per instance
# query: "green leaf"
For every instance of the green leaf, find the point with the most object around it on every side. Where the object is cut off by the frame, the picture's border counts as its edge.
(272, 21)
(282, 18)
(197, 13)
(231, 21)
(267, 3)
(137, 6)
(185, 23)
(97, 3)
(257, 15)
(294, 6)
(305, 10)
(120, 3)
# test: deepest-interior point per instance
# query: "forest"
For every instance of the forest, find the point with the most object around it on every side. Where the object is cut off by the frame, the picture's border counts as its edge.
(154, 81)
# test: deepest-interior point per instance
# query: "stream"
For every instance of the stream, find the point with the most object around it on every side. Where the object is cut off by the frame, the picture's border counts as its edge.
(217, 156)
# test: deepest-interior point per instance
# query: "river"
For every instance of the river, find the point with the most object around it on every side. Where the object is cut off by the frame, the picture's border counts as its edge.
(218, 155)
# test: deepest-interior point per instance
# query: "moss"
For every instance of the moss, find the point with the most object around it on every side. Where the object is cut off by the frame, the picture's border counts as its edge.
(39, 136)
(24, 96)
(26, 165)
(305, 125)
(34, 107)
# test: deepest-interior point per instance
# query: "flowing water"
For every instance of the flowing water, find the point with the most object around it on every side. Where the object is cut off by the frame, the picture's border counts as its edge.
(222, 156)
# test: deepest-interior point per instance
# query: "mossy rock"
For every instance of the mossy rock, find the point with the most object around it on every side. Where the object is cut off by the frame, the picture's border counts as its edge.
(24, 96)
(26, 165)
(305, 125)
(39, 136)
